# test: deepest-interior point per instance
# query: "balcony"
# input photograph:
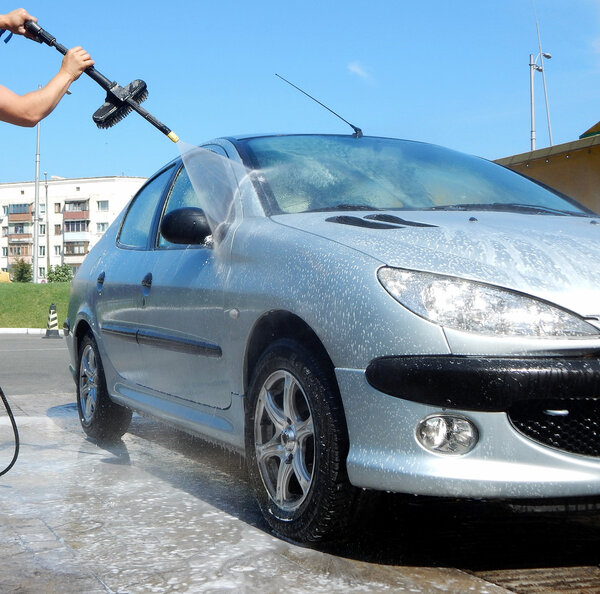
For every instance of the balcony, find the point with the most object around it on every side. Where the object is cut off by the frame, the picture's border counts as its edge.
(20, 217)
(74, 258)
(72, 236)
(13, 258)
(20, 238)
(76, 215)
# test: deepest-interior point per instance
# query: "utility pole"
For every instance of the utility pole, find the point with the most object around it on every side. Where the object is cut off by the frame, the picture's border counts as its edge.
(36, 215)
(533, 68)
(47, 226)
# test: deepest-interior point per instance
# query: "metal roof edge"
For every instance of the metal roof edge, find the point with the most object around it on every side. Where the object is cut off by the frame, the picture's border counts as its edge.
(550, 151)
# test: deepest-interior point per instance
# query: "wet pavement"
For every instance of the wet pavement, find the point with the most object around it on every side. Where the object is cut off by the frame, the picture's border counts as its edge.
(164, 512)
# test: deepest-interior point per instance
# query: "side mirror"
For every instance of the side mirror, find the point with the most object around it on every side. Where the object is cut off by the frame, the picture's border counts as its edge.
(185, 226)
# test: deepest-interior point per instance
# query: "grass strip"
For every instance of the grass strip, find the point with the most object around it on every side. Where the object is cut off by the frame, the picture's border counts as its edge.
(26, 305)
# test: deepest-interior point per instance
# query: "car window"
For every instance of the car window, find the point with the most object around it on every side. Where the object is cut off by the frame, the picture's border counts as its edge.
(312, 173)
(182, 195)
(137, 224)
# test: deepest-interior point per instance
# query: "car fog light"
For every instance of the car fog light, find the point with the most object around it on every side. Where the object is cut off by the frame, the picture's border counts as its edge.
(445, 434)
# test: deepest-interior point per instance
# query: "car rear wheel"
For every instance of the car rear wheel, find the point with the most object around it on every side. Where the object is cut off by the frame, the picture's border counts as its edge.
(296, 445)
(100, 417)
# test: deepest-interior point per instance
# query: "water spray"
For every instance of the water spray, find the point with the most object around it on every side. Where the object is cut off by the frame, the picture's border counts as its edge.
(120, 101)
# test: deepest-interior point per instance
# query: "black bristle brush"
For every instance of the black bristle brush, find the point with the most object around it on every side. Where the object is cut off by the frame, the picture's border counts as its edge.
(120, 101)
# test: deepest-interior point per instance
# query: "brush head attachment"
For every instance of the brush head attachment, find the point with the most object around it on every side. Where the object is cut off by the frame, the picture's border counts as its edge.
(118, 103)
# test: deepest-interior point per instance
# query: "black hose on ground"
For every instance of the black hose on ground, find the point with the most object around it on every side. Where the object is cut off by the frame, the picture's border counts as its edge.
(15, 431)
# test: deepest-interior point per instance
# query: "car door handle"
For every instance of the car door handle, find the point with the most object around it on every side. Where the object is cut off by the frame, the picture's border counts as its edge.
(100, 281)
(147, 281)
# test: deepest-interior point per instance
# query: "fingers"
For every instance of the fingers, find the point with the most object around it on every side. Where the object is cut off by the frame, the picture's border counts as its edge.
(76, 60)
(81, 55)
(15, 21)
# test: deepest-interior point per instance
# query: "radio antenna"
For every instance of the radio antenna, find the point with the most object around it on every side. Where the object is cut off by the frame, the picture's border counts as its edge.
(357, 131)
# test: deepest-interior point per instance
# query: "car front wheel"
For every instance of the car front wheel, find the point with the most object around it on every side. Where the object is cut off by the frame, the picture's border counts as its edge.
(100, 417)
(296, 445)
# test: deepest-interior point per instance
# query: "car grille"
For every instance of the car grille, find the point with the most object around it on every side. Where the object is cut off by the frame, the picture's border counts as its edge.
(571, 425)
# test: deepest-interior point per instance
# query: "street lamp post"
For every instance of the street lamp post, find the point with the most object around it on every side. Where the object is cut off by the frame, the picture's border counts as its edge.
(533, 67)
(47, 218)
(36, 208)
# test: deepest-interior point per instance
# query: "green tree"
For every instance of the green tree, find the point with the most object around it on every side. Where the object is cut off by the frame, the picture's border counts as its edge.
(22, 272)
(60, 274)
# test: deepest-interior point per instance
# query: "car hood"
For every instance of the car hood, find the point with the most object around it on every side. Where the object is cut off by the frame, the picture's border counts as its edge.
(556, 258)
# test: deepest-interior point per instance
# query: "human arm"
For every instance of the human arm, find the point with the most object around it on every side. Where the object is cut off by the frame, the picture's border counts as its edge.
(27, 110)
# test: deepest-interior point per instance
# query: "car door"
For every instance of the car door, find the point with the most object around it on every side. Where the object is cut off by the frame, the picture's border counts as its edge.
(181, 321)
(121, 281)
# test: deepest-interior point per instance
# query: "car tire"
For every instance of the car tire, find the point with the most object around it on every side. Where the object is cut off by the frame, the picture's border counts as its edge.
(296, 445)
(101, 418)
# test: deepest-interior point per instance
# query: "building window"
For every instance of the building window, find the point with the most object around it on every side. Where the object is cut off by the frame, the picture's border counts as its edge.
(57, 250)
(57, 230)
(17, 230)
(42, 250)
(77, 188)
(102, 205)
(15, 251)
(18, 208)
(5, 209)
(43, 271)
(57, 207)
(4, 231)
(42, 229)
(76, 248)
(76, 226)
(75, 206)
(5, 251)
(42, 208)
(101, 227)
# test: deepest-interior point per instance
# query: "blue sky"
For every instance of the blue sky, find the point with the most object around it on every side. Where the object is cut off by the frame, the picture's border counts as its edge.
(452, 73)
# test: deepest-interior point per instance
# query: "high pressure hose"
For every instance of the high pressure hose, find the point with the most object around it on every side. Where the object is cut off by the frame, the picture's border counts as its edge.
(15, 432)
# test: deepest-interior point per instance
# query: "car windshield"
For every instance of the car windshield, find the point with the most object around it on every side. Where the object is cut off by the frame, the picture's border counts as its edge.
(306, 173)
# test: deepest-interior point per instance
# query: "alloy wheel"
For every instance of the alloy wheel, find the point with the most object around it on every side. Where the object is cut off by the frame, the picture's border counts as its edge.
(284, 440)
(88, 383)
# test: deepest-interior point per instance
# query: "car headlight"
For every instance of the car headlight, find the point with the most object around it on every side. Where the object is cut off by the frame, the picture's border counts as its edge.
(477, 307)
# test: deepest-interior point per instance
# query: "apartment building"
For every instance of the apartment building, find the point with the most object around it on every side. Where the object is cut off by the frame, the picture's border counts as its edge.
(73, 215)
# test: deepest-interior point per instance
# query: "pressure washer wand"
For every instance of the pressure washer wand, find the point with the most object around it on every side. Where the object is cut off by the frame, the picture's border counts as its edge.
(119, 100)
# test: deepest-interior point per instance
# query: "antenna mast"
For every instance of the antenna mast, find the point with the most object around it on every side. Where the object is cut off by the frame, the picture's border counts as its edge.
(357, 131)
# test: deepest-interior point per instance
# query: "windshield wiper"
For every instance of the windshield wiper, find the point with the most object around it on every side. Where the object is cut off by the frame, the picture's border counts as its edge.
(344, 207)
(511, 207)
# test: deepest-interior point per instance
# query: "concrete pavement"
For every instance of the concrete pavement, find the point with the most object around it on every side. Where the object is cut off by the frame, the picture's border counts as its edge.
(157, 512)
(161, 511)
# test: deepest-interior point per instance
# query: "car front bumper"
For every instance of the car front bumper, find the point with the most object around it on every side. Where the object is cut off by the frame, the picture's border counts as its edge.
(496, 397)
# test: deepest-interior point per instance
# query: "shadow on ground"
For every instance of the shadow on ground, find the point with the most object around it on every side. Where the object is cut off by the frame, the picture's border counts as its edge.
(391, 529)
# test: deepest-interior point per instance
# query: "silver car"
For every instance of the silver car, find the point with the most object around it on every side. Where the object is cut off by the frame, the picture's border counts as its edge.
(350, 313)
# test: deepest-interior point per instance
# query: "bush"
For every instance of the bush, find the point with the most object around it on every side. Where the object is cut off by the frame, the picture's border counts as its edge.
(22, 272)
(60, 274)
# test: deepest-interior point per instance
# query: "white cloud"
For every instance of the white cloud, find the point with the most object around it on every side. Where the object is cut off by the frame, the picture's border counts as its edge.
(358, 69)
